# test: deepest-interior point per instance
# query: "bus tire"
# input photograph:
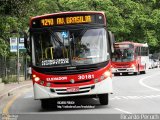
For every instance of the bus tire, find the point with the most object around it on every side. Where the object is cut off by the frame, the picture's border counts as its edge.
(116, 74)
(44, 104)
(103, 99)
(48, 103)
(138, 72)
(143, 72)
(125, 74)
(135, 73)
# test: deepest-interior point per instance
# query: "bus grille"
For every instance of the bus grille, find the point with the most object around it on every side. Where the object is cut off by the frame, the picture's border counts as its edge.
(73, 92)
(81, 90)
(121, 69)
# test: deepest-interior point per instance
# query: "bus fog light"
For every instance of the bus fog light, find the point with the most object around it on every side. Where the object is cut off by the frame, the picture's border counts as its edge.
(102, 77)
(42, 82)
(95, 80)
(48, 84)
(36, 79)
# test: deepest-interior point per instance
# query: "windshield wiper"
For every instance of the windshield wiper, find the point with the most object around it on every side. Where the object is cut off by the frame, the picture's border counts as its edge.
(82, 33)
(55, 38)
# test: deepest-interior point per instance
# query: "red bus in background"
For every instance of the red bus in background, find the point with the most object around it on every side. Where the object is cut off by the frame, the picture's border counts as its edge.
(70, 53)
(130, 57)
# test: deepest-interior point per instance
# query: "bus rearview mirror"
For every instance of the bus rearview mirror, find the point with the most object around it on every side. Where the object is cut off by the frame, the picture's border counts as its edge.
(27, 43)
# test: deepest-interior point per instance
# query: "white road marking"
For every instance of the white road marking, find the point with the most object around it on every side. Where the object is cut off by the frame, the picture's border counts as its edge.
(134, 97)
(28, 96)
(123, 111)
(142, 83)
(116, 97)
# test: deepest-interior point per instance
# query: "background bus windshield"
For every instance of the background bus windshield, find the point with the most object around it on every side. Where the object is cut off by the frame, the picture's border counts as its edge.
(69, 47)
(123, 53)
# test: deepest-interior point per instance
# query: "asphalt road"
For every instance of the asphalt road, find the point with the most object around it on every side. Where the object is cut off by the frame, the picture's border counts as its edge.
(132, 95)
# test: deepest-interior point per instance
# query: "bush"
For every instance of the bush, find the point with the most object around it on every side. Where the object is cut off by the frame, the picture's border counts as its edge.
(9, 79)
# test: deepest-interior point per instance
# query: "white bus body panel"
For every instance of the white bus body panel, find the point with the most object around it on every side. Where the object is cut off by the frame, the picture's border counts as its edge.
(41, 92)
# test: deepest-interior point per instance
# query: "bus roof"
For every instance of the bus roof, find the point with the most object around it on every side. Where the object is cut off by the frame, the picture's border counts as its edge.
(69, 13)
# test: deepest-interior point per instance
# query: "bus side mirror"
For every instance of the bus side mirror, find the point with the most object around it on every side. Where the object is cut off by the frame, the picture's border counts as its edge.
(111, 40)
(27, 43)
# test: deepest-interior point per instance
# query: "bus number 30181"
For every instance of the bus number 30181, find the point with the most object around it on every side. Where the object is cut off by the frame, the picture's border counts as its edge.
(82, 77)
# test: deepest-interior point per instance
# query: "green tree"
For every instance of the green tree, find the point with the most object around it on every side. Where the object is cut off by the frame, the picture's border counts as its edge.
(132, 20)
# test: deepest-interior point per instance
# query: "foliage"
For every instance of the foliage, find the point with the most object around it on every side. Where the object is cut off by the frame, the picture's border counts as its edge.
(133, 20)
(9, 79)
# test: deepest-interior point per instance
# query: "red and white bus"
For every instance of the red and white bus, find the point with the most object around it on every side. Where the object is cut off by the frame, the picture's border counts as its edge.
(130, 57)
(70, 53)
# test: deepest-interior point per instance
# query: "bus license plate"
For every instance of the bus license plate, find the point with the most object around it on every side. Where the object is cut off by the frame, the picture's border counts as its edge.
(73, 89)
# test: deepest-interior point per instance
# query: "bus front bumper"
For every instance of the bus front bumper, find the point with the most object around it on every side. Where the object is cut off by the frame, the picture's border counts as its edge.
(42, 92)
(123, 70)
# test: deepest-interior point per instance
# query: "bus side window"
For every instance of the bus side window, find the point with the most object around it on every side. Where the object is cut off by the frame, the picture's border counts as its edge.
(137, 51)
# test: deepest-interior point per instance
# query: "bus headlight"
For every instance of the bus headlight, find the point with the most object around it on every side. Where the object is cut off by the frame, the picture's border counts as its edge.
(33, 76)
(107, 74)
(36, 79)
(133, 66)
(103, 76)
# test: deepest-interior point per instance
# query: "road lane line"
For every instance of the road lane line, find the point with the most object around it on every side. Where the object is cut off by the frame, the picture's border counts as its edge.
(9, 104)
(135, 97)
(143, 84)
(126, 112)
(28, 96)
(116, 98)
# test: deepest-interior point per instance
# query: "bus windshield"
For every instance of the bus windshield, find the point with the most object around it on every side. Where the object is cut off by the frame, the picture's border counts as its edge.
(69, 47)
(123, 53)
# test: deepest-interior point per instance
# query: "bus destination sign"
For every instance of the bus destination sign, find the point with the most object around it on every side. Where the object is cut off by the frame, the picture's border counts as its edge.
(66, 20)
(49, 21)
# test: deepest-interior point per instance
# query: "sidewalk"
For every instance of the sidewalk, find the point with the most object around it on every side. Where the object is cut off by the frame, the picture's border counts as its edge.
(8, 88)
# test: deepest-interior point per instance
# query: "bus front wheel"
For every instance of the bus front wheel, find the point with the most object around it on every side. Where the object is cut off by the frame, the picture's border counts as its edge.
(44, 104)
(116, 74)
(103, 99)
(138, 72)
(48, 103)
(144, 72)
